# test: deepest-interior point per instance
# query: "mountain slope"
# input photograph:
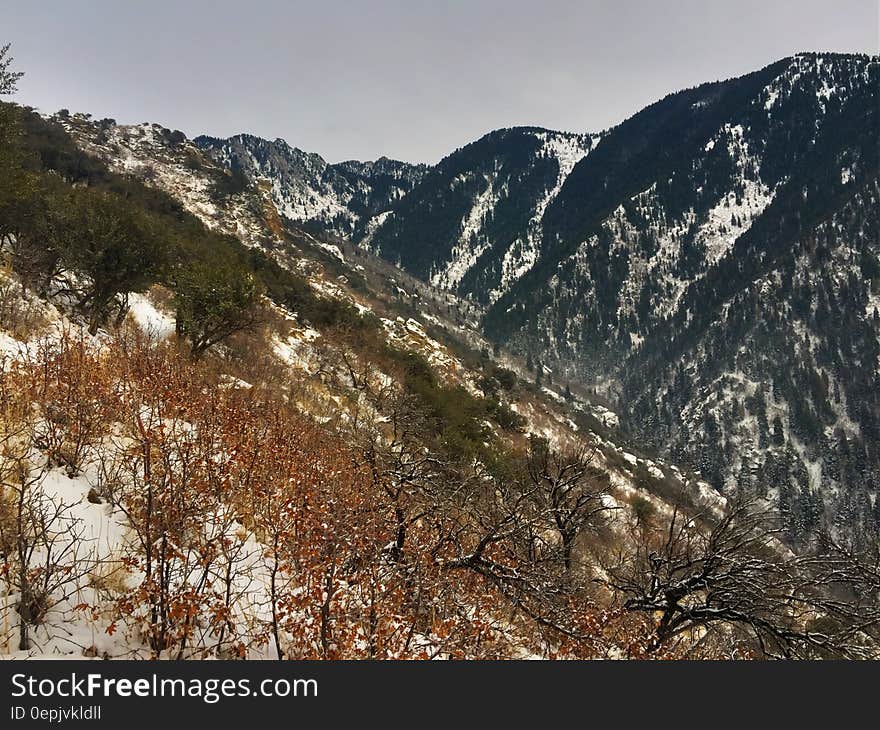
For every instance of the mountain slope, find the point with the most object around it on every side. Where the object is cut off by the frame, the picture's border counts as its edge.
(775, 392)
(337, 198)
(472, 224)
(676, 220)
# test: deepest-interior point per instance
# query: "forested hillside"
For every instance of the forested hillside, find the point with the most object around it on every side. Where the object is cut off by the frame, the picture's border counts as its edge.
(227, 431)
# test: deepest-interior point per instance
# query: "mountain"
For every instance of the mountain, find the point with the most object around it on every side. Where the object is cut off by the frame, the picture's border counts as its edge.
(716, 258)
(472, 225)
(333, 198)
(710, 265)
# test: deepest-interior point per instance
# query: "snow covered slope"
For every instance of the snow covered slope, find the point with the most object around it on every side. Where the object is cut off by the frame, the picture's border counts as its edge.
(334, 198)
(473, 223)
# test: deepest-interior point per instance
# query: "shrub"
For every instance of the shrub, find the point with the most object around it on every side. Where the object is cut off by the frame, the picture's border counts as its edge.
(213, 302)
(117, 246)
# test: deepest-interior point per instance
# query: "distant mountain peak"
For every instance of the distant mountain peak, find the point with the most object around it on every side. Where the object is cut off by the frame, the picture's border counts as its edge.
(336, 198)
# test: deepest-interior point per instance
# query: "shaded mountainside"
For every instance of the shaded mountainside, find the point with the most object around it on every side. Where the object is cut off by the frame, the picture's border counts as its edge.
(472, 225)
(775, 390)
(721, 246)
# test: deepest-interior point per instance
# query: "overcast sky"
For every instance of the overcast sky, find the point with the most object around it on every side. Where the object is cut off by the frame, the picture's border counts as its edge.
(406, 79)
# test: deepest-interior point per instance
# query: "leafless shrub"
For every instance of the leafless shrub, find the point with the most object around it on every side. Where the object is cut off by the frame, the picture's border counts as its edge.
(710, 581)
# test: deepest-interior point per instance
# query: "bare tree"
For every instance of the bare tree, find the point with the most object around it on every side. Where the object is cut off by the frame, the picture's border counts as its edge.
(706, 577)
(569, 491)
(51, 555)
(44, 552)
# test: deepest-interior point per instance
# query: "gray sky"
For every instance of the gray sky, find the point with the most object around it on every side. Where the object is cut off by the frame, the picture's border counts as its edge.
(408, 79)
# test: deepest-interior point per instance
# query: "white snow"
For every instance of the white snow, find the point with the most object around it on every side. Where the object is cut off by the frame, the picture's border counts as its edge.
(471, 242)
(333, 250)
(521, 256)
(153, 322)
(139, 149)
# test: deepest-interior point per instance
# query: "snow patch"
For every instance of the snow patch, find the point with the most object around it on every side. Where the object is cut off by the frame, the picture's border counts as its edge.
(153, 322)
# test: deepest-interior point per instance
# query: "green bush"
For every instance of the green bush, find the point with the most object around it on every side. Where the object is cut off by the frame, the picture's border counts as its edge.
(214, 301)
(118, 247)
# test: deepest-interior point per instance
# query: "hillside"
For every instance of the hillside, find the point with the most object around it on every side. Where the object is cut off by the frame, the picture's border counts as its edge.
(229, 429)
(472, 225)
(354, 367)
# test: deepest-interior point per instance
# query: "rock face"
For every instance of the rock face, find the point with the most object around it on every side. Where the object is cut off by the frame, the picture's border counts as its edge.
(338, 198)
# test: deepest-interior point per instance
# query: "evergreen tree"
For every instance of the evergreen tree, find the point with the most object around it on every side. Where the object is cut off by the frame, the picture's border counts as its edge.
(214, 301)
(778, 438)
(12, 181)
(118, 247)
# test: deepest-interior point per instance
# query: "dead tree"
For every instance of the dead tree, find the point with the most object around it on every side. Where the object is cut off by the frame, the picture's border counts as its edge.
(44, 552)
(569, 492)
(705, 577)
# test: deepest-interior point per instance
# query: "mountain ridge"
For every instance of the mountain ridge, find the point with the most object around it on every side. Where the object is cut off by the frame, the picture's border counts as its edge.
(610, 258)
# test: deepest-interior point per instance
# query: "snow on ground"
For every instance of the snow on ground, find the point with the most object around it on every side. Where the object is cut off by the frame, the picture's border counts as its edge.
(471, 241)
(606, 417)
(302, 185)
(146, 151)
(96, 547)
(568, 150)
(153, 322)
(296, 352)
(11, 347)
(410, 334)
(373, 225)
(329, 289)
(733, 214)
(332, 250)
